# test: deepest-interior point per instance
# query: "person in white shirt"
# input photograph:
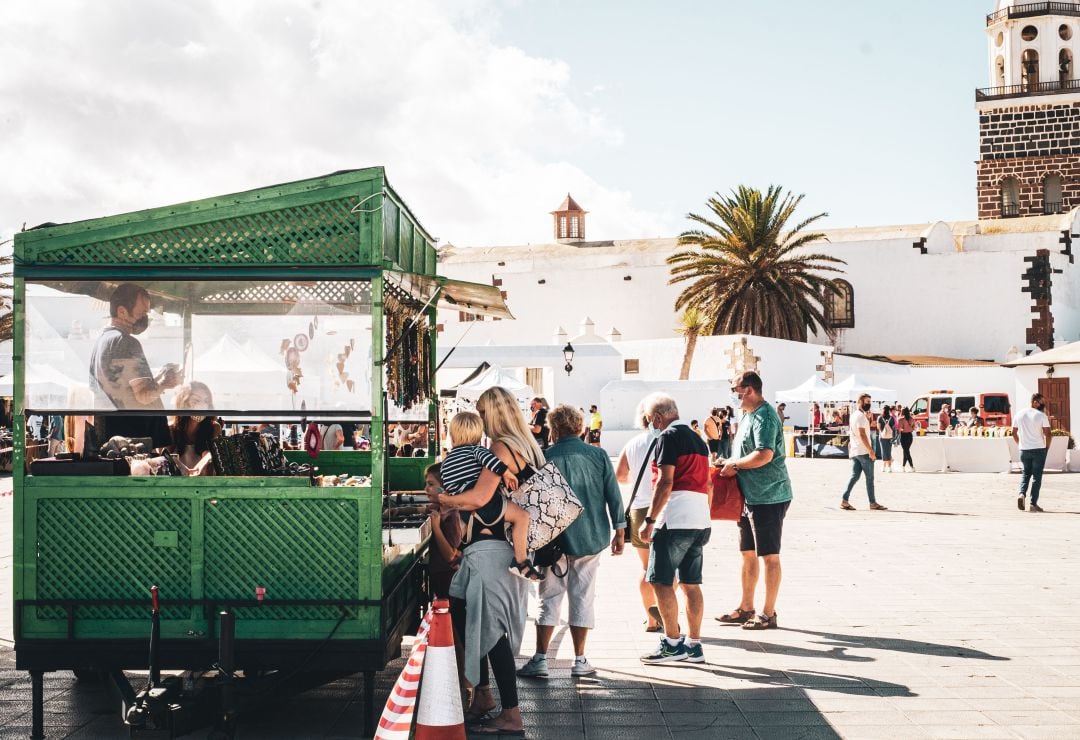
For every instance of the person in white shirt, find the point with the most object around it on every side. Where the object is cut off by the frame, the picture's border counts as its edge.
(1031, 432)
(633, 468)
(861, 452)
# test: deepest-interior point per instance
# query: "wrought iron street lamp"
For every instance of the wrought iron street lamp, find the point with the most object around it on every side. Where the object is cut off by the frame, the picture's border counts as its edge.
(568, 355)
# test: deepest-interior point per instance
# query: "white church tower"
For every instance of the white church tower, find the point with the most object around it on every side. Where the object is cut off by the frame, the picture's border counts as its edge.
(1029, 119)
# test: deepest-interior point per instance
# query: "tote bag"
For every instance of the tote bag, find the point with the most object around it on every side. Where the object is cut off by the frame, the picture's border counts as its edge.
(727, 501)
(552, 504)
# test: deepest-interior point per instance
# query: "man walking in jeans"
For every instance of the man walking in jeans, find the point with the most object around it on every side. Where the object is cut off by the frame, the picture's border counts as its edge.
(861, 452)
(759, 464)
(1031, 431)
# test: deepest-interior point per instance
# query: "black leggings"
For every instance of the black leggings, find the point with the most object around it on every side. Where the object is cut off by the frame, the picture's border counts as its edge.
(500, 656)
(905, 444)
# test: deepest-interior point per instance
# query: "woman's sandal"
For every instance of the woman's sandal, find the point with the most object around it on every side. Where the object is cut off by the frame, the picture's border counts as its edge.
(525, 569)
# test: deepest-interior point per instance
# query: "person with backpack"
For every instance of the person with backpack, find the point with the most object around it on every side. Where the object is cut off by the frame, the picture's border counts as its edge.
(886, 425)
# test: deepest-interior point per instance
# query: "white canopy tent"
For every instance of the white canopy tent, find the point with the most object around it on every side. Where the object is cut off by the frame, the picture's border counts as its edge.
(810, 390)
(470, 390)
(850, 388)
(45, 386)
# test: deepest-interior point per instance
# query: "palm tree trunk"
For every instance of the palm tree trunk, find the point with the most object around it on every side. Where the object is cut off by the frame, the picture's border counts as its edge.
(688, 355)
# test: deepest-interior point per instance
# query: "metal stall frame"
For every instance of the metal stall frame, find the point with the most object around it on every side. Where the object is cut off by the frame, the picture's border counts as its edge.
(350, 225)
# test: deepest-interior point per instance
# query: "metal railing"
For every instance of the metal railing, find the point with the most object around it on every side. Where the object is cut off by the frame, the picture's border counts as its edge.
(1010, 210)
(1030, 10)
(1026, 89)
(1050, 207)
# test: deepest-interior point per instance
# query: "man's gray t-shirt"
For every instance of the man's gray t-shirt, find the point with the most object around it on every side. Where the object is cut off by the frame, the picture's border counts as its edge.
(118, 359)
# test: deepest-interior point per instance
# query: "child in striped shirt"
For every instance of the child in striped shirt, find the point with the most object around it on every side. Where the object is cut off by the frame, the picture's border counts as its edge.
(460, 472)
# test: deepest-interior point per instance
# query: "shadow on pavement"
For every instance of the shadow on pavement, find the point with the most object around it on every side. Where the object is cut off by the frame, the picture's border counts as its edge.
(900, 645)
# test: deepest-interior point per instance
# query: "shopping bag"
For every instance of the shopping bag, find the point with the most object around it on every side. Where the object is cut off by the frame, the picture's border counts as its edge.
(727, 500)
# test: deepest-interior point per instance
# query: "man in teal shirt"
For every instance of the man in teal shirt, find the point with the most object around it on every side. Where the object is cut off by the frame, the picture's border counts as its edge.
(590, 474)
(758, 461)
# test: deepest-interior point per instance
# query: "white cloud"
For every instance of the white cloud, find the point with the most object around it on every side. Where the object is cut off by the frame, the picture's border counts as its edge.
(106, 108)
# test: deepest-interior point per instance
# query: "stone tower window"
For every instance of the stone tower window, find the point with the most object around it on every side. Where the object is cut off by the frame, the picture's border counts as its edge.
(840, 308)
(1029, 66)
(999, 68)
(1030, 33)
(1010, 197)
(1065, 65)
(1065, 31)
(1052, 202)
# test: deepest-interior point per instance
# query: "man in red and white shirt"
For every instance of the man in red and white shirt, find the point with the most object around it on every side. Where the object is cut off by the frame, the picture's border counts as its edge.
(678, 526)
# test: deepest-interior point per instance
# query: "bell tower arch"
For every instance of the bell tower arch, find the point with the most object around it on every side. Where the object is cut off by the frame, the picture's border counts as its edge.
(1029, 120)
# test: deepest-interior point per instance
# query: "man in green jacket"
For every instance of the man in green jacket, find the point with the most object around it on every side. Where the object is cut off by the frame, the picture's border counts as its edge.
(589, 472)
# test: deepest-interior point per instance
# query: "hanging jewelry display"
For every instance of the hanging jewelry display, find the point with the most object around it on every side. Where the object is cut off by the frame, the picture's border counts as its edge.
(408, 362)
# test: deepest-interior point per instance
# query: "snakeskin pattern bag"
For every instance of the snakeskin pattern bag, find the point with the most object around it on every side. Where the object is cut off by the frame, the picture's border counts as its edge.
(552, 504)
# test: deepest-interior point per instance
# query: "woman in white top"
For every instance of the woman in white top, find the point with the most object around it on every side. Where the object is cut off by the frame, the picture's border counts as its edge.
(635, 456)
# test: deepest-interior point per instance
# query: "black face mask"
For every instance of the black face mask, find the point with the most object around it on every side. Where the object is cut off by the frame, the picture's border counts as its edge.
(865, 407)
(140, 325)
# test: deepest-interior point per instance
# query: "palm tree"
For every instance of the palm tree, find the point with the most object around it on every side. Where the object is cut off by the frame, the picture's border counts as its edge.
(691, 324)
(750, 272)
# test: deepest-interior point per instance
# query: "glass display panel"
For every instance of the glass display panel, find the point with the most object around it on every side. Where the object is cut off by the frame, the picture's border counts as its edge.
(251, 346)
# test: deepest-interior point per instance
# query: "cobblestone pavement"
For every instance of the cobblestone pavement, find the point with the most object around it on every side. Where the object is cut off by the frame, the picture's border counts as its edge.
(952, 615)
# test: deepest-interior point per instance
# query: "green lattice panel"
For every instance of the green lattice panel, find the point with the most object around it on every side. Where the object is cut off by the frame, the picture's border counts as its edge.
(295, 548)
(107, 549)
(319, 233)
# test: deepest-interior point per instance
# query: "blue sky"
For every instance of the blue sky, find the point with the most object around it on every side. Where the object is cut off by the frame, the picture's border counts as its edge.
(486, 112)
(866, 107)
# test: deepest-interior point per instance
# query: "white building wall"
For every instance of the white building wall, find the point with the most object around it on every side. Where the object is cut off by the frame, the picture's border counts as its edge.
(963, 298)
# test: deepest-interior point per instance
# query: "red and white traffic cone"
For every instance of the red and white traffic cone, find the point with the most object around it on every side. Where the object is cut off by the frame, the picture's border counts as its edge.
(439, 715)
(398, 714)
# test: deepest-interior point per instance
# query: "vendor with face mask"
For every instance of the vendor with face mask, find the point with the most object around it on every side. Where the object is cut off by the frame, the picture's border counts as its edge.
(120, 376)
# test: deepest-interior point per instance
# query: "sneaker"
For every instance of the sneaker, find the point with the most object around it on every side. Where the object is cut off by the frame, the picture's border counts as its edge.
(695, 654)
(666, 653)
(535, 668)
(1020, 502)
(1035, 508)
(582, 667)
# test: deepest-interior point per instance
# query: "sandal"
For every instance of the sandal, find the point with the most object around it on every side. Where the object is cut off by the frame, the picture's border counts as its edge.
(736, 616)
(845, 505)
(490, 729)
(761, 622)
(525, 569)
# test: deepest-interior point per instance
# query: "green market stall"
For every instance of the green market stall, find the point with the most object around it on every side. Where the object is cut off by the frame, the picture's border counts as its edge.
(325, 293)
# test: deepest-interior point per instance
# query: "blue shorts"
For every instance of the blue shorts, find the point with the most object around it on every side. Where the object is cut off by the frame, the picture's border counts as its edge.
(676, 551)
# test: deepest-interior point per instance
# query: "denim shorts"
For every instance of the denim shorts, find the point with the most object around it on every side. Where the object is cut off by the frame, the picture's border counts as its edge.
(676, 551)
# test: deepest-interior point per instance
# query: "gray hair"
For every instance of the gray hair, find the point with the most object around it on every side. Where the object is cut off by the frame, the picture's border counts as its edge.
(565, 421)
(660, 403)
(639, 415)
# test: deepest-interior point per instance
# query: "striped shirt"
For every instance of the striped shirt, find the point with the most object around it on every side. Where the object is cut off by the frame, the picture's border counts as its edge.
(462, 467)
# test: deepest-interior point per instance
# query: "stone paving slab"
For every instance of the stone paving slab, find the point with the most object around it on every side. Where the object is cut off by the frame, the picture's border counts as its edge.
(953, 615)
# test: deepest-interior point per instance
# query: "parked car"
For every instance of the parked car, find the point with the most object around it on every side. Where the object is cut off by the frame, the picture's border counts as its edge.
(994, 407)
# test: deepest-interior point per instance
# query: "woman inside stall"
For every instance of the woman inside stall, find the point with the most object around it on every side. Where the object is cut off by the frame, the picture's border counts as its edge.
(191, 435)
(487, 602)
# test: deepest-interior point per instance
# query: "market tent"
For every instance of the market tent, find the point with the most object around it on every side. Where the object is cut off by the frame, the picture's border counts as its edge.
(489, 377)
(812, 389)
(851, 387)
(46, 387)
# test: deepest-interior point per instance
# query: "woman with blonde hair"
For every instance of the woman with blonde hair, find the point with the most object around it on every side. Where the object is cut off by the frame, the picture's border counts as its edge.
(487, 602)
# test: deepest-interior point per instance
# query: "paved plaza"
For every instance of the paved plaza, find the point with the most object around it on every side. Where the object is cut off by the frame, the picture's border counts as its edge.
(952, 615)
